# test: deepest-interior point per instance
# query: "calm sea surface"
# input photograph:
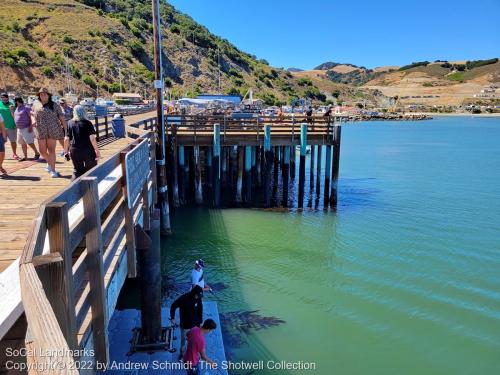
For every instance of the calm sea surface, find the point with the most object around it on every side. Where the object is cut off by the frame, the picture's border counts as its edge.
(403, 279)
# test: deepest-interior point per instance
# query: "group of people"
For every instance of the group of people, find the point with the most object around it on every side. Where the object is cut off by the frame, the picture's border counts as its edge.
(193, 328)
(49, 123)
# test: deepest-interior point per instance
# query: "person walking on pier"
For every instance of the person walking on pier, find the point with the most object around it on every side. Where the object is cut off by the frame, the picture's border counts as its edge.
(80, 142)
(7, 113)
(197, 277)
(196, 348)
(190, 307)
(25, 133)
(3, 137)
(68, 115)
(50, 126)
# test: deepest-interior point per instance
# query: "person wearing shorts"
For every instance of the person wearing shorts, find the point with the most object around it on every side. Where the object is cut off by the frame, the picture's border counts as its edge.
(50, 126)
(25, 133)
(3, 136)
(7, 112)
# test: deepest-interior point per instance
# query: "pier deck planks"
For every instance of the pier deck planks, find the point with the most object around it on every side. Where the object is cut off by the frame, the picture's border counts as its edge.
(21, 193)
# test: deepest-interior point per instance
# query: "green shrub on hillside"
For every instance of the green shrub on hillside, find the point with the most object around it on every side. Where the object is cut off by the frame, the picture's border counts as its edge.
(414, 65)
(68, 39)
(456, 76)
(304, 82)
(47, 71)
(477, 63)
(89, 81)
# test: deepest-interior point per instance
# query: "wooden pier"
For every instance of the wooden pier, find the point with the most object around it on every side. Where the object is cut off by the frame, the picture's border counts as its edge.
(70, 246)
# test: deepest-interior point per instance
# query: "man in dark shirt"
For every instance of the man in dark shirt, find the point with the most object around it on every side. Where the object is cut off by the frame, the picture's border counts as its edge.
(190, 310)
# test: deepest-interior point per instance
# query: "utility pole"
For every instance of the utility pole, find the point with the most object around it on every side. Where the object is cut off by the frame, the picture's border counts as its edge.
(120, 76)
(160, 123)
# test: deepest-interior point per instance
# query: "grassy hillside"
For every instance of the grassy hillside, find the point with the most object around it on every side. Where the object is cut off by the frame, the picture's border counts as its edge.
(89, 44)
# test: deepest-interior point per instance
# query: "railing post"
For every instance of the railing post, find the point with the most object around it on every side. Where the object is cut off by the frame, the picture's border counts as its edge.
(96, 121)
(95, 267)
(106, 126)
(62, 301)
(216, 165)
(129, 224)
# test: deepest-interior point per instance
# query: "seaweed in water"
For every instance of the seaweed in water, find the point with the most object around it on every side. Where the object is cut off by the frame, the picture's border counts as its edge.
(237, 324)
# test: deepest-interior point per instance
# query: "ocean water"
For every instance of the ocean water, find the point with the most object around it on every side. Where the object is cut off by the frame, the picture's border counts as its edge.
(404, 278)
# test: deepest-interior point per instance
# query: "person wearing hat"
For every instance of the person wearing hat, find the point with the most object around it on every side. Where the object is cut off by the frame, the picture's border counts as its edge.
(7, 113)
(190, 307)
(197, 277)
(50, 127)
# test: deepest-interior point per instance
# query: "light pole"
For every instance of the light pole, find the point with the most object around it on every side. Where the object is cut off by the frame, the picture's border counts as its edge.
(160, 123)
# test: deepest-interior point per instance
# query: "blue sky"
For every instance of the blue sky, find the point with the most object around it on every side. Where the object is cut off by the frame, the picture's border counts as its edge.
(373, 33)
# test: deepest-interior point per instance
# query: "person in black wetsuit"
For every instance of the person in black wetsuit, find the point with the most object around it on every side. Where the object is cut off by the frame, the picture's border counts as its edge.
(80, 143)
(190, 310)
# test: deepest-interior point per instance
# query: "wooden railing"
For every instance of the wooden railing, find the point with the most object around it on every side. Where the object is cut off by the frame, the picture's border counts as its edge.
(70, 258)
(237, 130)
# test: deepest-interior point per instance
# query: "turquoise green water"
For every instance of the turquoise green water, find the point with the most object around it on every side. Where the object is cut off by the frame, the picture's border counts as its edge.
(403, 279)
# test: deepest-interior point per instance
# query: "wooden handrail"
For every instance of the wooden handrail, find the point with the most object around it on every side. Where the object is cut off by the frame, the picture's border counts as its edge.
(65, 300)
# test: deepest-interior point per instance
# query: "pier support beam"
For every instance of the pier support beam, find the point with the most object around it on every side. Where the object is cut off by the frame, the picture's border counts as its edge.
(335, 164)
(292, 161)
(180, 171)
(254, 165)
(198, 190)
(209, 175)
(318, 171)
(276, 168)
(328, 169)
(286, 174)
(267, 164)
(175, 190)
(148, 247)
(311, 171)
(248, 174)
(258, 166)
(302, 166)
(239, 182)
(224, 163)
(216, 165)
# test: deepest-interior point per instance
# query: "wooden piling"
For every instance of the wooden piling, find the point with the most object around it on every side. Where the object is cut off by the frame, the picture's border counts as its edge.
(248, 174)
(254, 165)
(335, 165)
(286, 174)
(239, 183)
(276, 168)
(198, 189)
(209, 174)
(175, 177)
(258, 166)
(148, 246)
(267, 164)
(328, 169)
(216, 165)
(302, 166)
(224, 168)
(318, 171)
(181, 171)
(312, 169)
(292, 161)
